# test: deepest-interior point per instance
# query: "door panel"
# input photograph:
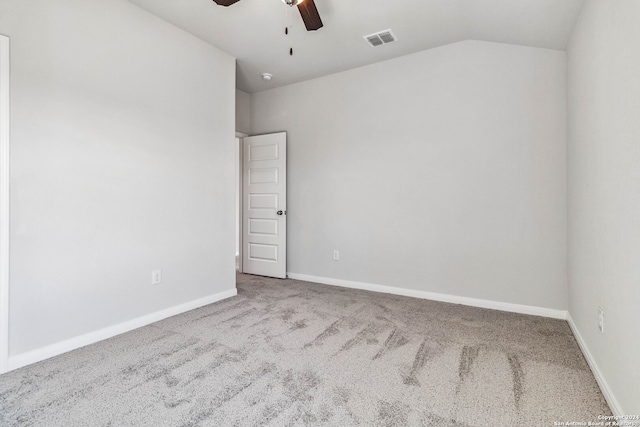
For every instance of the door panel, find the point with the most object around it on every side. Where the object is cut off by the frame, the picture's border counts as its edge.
(263, 201)
(263, 176)
(264, 205)
(263, 226)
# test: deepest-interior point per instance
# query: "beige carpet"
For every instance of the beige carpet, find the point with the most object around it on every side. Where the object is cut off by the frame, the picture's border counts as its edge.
(291, 353)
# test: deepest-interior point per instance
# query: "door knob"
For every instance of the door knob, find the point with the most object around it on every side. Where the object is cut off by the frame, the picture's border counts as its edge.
(279, 212)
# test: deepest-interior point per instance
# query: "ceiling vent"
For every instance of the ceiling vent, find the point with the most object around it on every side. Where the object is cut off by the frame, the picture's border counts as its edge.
(380, 38)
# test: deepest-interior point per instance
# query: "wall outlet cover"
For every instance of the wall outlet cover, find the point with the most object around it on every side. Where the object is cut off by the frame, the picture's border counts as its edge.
(156, 277)
(600, 320)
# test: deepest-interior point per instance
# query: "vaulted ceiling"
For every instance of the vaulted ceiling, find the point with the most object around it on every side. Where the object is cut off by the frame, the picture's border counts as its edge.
(253, 31)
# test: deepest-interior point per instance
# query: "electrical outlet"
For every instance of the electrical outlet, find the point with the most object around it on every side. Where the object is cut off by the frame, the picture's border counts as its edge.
(601, 320)
(336, 255)
(156, 277)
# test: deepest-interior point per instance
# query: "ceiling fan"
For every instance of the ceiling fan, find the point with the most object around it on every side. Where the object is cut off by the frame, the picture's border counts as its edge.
(307, 9)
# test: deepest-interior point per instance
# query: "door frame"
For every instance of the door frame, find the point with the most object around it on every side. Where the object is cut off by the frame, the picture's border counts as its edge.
(4, 202)
(239, 137)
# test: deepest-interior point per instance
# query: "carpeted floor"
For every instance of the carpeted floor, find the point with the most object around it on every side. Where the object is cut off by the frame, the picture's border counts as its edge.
(291, 353)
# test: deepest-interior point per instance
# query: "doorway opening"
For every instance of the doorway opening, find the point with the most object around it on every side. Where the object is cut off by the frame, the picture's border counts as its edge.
(264, 205)
(261, 205)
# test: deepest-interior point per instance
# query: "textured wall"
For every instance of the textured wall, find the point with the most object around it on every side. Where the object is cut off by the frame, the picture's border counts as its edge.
(441, 171)
(603, 154)
(122, 163)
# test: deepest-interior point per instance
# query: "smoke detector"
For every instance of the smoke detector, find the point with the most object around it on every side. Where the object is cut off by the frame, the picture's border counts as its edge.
(380, 38)
(266, 77)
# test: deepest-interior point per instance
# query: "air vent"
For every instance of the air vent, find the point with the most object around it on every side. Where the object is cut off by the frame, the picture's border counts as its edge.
(380, 38)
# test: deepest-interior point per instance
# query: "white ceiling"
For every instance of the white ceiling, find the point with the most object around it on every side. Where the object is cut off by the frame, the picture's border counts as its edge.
(253, 31)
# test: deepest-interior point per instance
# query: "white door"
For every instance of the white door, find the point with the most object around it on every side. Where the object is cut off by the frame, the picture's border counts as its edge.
(264, 205)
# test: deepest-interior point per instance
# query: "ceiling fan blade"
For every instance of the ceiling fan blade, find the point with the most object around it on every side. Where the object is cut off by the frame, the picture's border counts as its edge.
(310, 15)
(225, 2)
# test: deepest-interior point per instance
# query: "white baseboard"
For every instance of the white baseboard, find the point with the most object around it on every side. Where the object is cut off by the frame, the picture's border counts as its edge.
(614, 405)
(454, 299)
(58, 348)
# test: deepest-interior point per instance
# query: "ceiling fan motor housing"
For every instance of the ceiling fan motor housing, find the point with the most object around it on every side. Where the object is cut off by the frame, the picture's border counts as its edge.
(307, 8)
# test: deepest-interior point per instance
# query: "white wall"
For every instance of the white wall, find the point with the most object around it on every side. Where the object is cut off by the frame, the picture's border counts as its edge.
(122, 163)
(243, 112)
(603, 199)
(441, 171)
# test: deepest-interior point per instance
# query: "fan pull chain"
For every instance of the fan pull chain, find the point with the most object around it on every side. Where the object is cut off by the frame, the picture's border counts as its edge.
(288, 25)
